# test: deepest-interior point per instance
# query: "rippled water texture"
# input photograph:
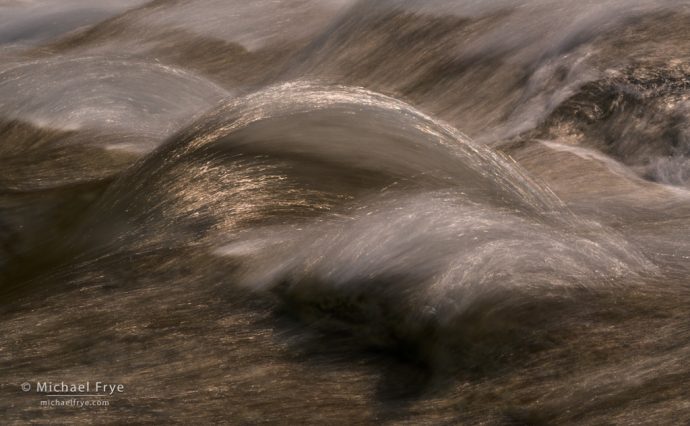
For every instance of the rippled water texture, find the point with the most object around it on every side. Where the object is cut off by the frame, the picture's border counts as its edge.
(347, 212)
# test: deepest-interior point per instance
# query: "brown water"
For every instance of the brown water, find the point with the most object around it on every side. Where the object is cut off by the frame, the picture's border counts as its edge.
(346, 212)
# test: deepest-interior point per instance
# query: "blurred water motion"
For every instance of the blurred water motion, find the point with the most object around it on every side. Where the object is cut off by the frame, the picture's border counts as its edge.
(347, 212)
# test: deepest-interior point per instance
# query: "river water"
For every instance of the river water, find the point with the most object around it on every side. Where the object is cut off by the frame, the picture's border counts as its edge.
(347, 212)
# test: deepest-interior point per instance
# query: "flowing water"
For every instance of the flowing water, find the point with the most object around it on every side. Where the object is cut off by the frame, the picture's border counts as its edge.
(347, 212)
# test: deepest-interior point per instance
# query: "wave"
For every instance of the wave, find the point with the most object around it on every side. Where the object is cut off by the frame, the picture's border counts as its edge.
(355, 207)
(105, 94)
(448, 211)
(299, 149)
